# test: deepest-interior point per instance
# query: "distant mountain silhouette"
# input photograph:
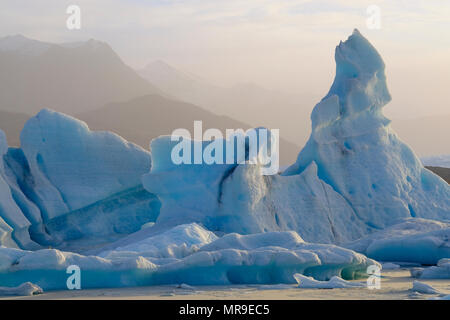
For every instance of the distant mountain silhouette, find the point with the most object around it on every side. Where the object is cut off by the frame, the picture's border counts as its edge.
(247, 102)
(141, 119)
(88, 79)
(71, 77)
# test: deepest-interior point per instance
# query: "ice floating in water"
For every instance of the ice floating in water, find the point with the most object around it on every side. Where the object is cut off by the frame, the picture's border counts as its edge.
(25, 289)
(265, 258)
(390, 266)
(335, 282)
(421, 287)
(238, 198)
(81, 191)
(73, 167)
(69, 183)
(440, 271)
(16, 211)
(353, 177)
(414, 240)
(358, 154)
(177, 242)
(447, 297)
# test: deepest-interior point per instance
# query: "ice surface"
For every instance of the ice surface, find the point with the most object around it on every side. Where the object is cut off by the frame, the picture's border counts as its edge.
(196, 257)
(126, 220)
(353, 177)
(177, 242)
(447, 297)
(25, 289)
(13, 221)
(335, 282)
(440, 271)
(71, 188)
(421, 287)
(359, 155)
(238, 198)
(73, 167)
(390, 266)
(103, 222)
(413, 240)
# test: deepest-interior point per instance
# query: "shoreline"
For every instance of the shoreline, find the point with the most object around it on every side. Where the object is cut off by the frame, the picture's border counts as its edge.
(395, 285)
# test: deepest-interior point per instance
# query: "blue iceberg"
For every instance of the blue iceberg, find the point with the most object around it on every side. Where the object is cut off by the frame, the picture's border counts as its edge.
(128, 217)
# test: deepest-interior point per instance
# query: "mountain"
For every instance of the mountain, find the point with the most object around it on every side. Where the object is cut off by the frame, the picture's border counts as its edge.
(141, 119)
(71, 77)
(248, 102)
(12, 123)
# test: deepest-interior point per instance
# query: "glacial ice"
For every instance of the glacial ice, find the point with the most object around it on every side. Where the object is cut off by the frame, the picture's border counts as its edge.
(71, 188)
(390, 266)
(440, 271)
(353, 177)
(177, 242)
(187, 254)
(13, 221)
(412, 240)
(358, 154)
(93, 166)
(131, 218)
(25, 289)
(238, 198)
(335, 282)
(421, 287)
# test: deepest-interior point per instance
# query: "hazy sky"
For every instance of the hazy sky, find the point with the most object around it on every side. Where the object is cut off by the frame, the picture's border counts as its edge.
(284, 45)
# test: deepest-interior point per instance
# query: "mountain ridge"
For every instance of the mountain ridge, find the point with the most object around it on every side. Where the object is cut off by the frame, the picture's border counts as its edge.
(69, 78)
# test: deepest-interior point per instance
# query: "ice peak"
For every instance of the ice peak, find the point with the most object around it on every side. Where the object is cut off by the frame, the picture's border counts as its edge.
(359, 67)
(357, 52)
(356, 32)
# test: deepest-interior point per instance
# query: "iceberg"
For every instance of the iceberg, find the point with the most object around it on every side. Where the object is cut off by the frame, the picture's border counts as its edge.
(128, 217)
(71, 188)
(73, 167)
(335, 282)
(239, 198)
(358, 154)
(177, 242)
(421, 287)
(412, 240)
(187, 254)
(440, 271)
(25, 289)
(353, 177)
(13, 206)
